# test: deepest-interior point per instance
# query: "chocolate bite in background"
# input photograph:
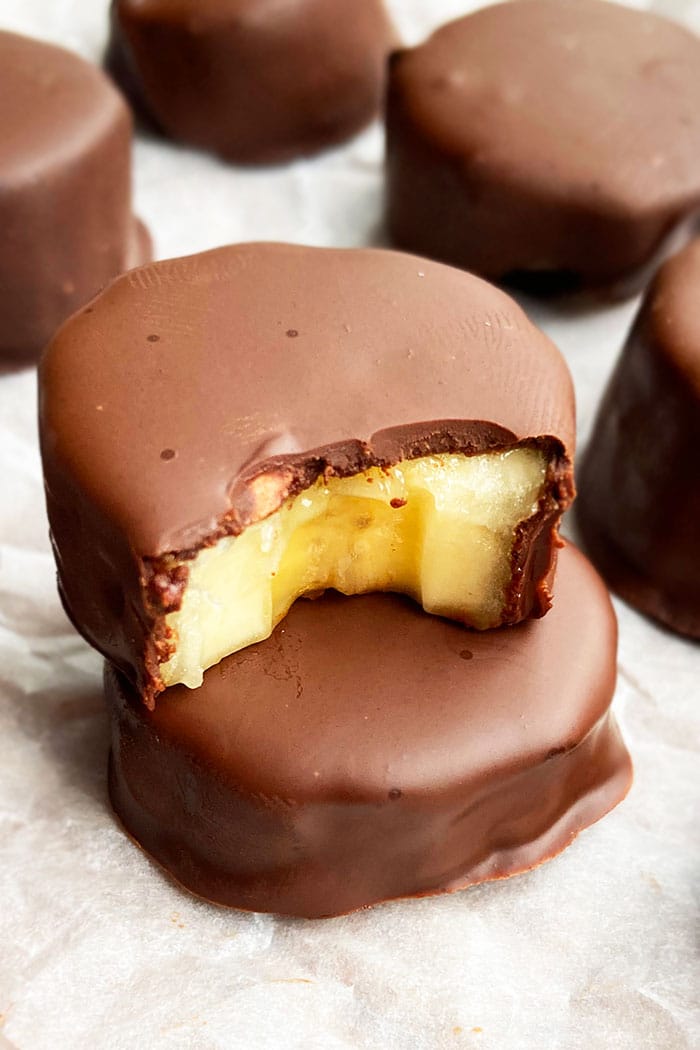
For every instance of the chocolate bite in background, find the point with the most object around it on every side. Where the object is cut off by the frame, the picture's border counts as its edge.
(367, 751)
(66, 226)
(639, 507)
(255, 81)
(202, 406)
(548, 143)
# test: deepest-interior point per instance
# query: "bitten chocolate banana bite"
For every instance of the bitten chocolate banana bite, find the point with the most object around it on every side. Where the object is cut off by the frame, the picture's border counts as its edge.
(548, 143)
(367, 751)
(66, 225)
(224, 433)
(253, 80)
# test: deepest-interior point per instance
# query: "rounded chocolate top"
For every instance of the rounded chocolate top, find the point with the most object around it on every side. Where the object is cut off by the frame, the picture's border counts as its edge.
(53, 107)
(185, 379)
(589, 99)
(363, 698)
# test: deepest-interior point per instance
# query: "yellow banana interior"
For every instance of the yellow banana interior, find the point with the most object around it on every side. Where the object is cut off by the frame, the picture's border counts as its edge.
(439, 528)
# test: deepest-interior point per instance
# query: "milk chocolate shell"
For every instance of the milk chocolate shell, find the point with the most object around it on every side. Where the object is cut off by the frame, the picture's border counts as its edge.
(253, 80)
(367, 751)
(551, 143)
(279, 403)
(639, 510)
(66, 226)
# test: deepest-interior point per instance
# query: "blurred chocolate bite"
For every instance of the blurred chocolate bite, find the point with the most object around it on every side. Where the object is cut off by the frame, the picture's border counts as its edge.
(639, 505)
(65, 190)
(256, 81)
(551, 144)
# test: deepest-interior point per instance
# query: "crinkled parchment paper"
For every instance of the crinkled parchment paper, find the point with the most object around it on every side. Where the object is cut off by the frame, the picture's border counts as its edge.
(596, 949)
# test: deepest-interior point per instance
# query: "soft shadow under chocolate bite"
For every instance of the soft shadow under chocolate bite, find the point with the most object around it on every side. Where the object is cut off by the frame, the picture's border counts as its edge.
(566, 294)
(11, 365)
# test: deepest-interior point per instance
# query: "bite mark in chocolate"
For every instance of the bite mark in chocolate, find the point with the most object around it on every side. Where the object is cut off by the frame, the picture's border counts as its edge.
(442, 392)
(448, 541)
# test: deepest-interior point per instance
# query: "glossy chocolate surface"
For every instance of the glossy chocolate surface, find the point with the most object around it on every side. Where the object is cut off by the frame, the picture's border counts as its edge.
(551, 143)
(253, 80)
(368, 751)
(65, 190)
(639, 507)
(194, 396)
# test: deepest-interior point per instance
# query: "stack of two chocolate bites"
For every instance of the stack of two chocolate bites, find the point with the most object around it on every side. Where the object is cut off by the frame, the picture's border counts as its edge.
(226, 433)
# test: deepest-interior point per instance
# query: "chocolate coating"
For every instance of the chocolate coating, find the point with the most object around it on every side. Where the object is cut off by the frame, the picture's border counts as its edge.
(368, 751)
(65, 190)
(253, 80)
(639, 509)
(551, 143)
(179, 408)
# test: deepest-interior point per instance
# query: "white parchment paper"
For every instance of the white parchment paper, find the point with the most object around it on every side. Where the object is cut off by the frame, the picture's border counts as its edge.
(597, 949)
